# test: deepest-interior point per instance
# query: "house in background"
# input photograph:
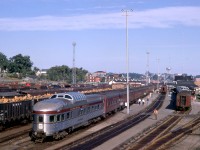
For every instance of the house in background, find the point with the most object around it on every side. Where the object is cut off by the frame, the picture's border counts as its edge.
(41, 72)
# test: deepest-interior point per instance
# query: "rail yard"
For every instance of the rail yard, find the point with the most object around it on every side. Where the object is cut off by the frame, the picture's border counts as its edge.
(141, 129)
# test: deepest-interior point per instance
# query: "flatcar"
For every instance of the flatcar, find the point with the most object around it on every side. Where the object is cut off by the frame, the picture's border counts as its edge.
(182, 97)
(64, 112)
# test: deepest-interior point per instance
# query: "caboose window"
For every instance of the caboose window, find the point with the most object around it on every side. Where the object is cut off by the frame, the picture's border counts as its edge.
(40, 119)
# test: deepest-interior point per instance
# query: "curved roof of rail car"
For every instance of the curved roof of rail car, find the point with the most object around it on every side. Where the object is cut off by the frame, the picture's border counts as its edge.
(50, 105)
(66, 100)
(114, 93)
(72, 96)
(92, 98)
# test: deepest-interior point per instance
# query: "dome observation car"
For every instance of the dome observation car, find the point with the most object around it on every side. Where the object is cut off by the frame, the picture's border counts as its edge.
(71, 96)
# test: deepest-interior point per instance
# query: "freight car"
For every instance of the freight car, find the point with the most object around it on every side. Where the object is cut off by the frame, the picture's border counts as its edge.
(163, 89)
(64, 112)
(16, 106)
(15, 112)
(182, 97)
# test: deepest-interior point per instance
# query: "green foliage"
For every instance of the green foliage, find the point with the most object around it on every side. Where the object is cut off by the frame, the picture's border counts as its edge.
(80, 74)
(59, 73)
(64, 73)
(3, 62)
(21, 65)
(135, 75)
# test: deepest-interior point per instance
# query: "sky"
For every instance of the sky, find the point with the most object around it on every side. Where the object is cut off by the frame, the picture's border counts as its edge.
(161, 34)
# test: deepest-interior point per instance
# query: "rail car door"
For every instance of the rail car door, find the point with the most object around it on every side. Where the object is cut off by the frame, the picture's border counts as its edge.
(182, 101)
(39, 119)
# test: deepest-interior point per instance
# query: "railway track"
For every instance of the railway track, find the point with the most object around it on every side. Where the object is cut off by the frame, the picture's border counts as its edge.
(14, 132)
(97, 138)
(23, 141)
(171, 137)
(18, 138)
(150, 135)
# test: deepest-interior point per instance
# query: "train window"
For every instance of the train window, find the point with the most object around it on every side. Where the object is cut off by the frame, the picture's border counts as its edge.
(68, 97)
(54, 96)
(88, 109)
(34, 118)
(84, 111)
(58, 117)
(61, 96)
(81, 111)
(183, 100)
(51, 118)
(40, 118)
(62, 117)
(1, 117)
(67, 116)
(101, 106)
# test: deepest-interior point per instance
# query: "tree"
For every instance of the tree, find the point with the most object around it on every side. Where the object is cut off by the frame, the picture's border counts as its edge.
(59, 73)
(20, 65)
(3, 62)
(80, 74)
(64, 73)
(155, 77)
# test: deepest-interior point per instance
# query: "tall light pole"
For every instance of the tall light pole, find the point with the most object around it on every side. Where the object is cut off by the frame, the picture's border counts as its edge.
(74, 68)
(127, 58)
(147, 75)
(158, 73)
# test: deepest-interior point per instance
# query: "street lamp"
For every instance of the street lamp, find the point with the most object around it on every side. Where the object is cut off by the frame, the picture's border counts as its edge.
(74, 68)
(127, 58)
(158, 74)
(147, 73)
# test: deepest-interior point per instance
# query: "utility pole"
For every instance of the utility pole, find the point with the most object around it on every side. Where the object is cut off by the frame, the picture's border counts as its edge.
(127, 59)
(74, 68)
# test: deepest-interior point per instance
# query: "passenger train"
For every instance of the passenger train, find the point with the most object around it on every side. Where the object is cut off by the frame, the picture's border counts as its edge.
(16, 105)
(63, 112)
(182, 97)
